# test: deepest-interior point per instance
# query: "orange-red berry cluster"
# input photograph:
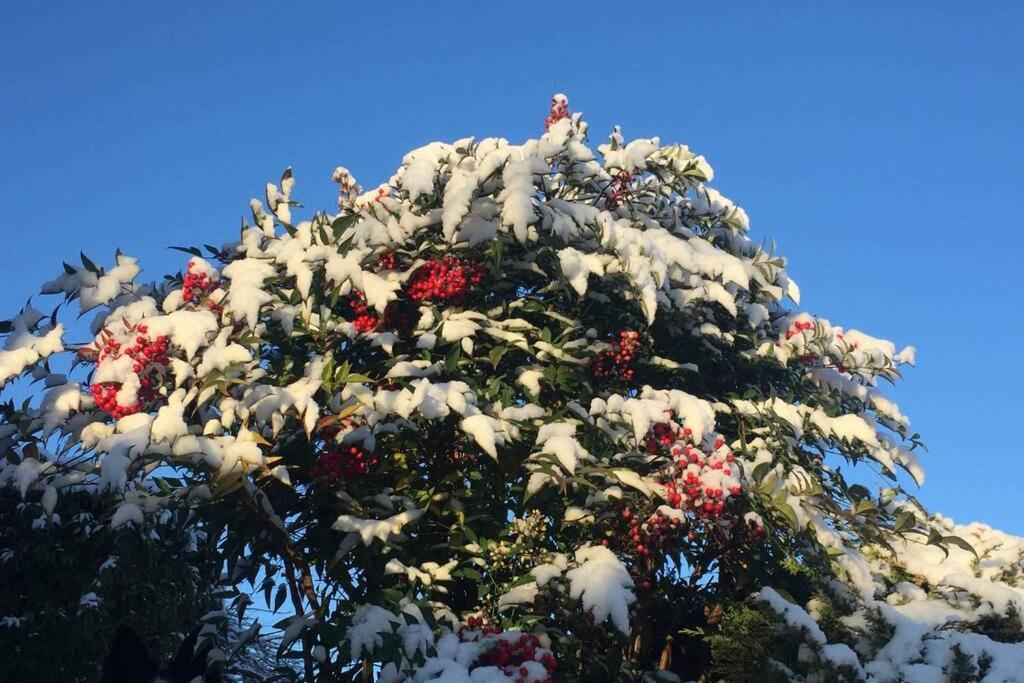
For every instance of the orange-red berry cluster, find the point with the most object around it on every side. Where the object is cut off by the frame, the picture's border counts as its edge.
(477, 624)
(701, 482)
(663, 434)
(444, 279)
(105, 395)
(363, 318)
(195, 285)
(559, 111)
(514, 655)
(343, 461)
(402, 315)
(150, 365)
(387, 261)
(399, 315)
(641, 538)
(617, 361)
(798, 327)
(620, 189)
(755, 529)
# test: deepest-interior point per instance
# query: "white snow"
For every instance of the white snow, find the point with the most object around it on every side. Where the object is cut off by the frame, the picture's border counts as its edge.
(126, 513)
(603, 585)
(380, 529)
(22, 348)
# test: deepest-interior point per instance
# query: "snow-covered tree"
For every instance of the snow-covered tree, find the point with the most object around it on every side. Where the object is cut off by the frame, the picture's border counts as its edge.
(521, 413)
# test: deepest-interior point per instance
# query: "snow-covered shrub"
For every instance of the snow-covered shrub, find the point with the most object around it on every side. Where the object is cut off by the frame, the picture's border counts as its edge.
(521, 413)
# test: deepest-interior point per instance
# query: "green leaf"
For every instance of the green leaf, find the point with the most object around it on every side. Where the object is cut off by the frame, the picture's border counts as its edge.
(935, 538)
(904, 521)
(960, 543)
(864, 505)
(280, 596)
(790, 514)
(89, 265)
(767, 485)
(758, 474)
(451, 361)
(858, 492)
(496, 355)
(341, 224)
(497, 247)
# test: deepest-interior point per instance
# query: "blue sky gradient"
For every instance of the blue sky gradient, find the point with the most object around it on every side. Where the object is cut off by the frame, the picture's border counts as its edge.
(878, 143)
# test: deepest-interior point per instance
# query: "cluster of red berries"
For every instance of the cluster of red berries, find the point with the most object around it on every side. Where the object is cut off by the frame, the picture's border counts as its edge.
(196, 284)
(701, 482)
(755, 528)
(149, 364)
(521, 657)
(662, 527)
(459, 455)
(664, 434)
(646, 534)
(363, 318)
(477, 624)
(444, 279)
(801, 326)
(617, 361)
(559, 111)
(839, 336)
(342, 461)
(399, 315)
(798, 327)
(695, 481)
(620, 189)
(387, 261)
(105, 395)
(402, 315)
(638, 534)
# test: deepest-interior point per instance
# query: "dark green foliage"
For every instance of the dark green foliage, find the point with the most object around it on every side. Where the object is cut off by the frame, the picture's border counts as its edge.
(961, 668)
(1002, 628)
(829, 617)
(155, 586)
(879, 631)
(743, 645)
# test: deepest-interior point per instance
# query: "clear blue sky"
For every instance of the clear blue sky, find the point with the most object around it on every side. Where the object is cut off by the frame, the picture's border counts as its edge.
(879, 143)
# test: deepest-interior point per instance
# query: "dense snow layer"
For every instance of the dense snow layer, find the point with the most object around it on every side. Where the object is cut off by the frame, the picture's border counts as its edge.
(929, 603)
